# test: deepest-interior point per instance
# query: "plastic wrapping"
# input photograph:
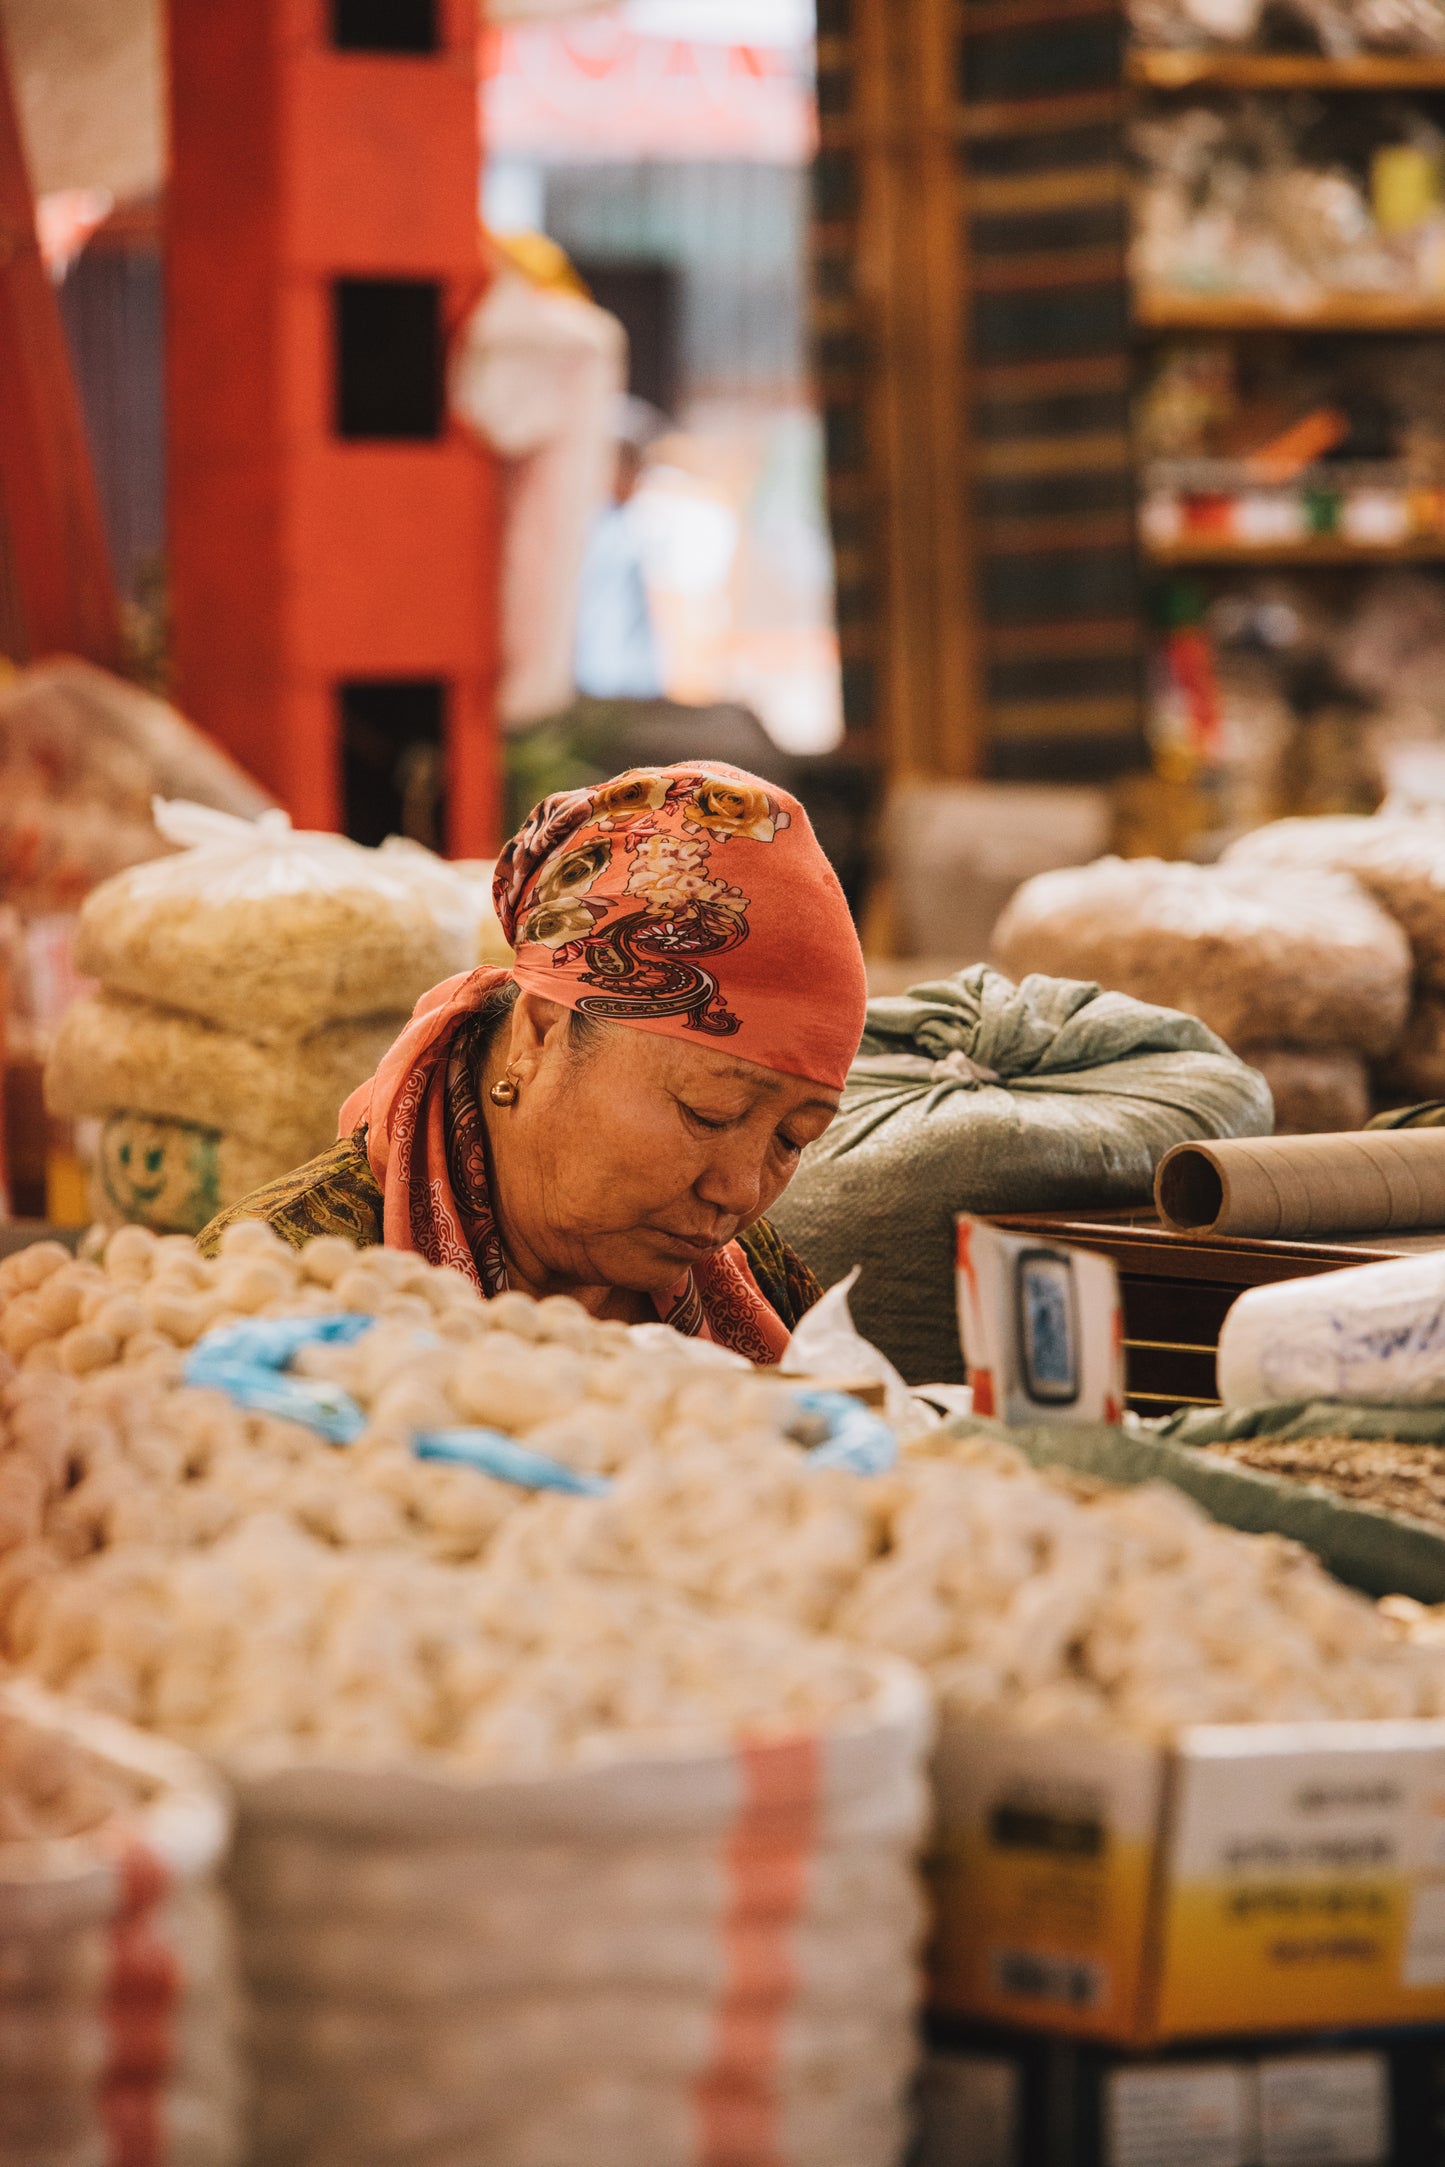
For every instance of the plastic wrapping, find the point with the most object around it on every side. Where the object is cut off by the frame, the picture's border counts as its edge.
(1314, 1088)
(113, 1054)
(1416, 1068)
(1400, 861)
(1339, 27)
(271, 932)
(82, 753)
(1194, 22)
(1305, 954)
(1374, 1335)
(972, 1094)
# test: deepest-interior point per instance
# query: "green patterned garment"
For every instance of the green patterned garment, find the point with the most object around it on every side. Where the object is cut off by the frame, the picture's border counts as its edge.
(339, 1194)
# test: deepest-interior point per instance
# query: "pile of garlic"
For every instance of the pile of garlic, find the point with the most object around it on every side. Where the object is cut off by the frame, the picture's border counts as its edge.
(1067, 1605)
(193, 1568)
(103, 1444)
(233, 1580)
(270, 1644)
(1056, 1602)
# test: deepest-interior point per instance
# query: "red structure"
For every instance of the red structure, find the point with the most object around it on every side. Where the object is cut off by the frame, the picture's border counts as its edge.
(56, 591)
(333, 541)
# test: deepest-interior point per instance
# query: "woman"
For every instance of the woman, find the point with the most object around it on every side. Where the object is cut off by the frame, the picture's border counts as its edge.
(612, 1117)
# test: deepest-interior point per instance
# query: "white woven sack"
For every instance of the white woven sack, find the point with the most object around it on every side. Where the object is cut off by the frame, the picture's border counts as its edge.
(118, 2007)
(598, 2117)
(651, 1960)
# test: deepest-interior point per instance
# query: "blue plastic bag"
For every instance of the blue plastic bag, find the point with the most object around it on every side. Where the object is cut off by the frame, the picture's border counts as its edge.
(497, 1454)
(249, 1362)
(858, 1441)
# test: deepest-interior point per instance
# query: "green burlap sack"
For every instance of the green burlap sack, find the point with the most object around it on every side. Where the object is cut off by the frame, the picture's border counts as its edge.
(973, 1094)
(1291, 1419)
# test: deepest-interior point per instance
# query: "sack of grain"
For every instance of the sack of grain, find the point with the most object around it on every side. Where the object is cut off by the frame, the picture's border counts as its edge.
(174, 1176)
(459, 890)
(1400, 860)
(682, 1958)
(118, 1998)
(1316, 1089)
(1305, 954)
(973, 1094)
(270, 932)
(117, 1055)
(1416, 1068)
(82, 754)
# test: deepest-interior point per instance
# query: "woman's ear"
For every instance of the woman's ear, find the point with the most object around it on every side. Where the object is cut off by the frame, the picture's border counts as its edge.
(538, 1028)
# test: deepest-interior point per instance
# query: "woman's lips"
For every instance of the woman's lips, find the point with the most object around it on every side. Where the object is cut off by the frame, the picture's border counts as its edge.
(702, 1245)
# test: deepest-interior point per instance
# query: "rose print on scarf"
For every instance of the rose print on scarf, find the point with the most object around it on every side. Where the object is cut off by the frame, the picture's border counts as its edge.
(642, 949)
(633, 795)
(725, 808)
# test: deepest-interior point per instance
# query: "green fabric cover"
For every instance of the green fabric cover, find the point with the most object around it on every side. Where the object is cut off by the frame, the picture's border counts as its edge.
(1304, 1418)
(1382, 1553)
(973, 1094)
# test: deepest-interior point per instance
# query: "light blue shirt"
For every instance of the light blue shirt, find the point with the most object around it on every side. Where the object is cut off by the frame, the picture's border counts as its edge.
(616, 653)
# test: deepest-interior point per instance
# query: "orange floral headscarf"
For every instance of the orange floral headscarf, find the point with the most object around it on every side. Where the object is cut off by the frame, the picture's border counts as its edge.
(693, 901)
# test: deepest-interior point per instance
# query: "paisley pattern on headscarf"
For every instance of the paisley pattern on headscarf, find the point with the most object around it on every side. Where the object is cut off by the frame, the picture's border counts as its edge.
(694, 901)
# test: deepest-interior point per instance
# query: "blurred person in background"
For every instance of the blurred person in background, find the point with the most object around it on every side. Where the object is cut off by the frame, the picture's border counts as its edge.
(617, 654)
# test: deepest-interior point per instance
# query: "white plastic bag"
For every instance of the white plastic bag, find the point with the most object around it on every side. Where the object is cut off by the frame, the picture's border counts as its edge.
(271, 931)
(828, 1347)
(1372, 1335)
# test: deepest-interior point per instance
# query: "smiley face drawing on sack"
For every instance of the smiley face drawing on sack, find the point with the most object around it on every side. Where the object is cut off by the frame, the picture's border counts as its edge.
(160, 1174)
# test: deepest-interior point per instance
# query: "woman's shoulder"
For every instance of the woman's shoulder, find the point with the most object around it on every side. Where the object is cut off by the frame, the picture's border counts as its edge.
(783, 1278)
(336, 1193)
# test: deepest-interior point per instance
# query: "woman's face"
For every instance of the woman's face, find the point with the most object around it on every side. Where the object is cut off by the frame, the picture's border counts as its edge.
(631, 1157)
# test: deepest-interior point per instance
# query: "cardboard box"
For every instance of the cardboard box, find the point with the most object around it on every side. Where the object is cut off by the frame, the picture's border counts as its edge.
(998, 2098)
(1257, 1878)
(1041, 1326)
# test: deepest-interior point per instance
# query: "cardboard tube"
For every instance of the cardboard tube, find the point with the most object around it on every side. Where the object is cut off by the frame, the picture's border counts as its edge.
(1304, 1188)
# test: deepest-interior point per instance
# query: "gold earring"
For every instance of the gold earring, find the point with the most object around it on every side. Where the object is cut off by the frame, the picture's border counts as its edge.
(506, 1090)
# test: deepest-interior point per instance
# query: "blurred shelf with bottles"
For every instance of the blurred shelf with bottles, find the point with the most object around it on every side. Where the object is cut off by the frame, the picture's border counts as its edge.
(1287, 276)
(1130, 319)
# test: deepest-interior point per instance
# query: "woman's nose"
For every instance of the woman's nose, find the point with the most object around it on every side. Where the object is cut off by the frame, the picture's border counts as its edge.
(733, 1182)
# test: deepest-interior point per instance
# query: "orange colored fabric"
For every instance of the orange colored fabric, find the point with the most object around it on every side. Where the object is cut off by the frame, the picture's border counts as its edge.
(694, 901)
(769, 1858)
(433, 1177)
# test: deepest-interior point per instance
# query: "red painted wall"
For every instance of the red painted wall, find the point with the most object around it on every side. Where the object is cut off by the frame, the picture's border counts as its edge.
(298, 559)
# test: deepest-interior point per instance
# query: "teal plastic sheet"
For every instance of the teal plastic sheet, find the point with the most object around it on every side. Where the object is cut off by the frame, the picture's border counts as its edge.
(249, 1363)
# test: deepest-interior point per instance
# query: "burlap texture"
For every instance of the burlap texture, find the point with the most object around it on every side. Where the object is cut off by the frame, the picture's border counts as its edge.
(973, 1094)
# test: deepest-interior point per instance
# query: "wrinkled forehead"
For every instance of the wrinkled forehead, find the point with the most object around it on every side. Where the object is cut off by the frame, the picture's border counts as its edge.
(739, 1081)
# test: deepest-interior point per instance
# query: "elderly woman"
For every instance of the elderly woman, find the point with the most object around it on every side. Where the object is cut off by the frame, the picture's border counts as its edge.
(612, 1117)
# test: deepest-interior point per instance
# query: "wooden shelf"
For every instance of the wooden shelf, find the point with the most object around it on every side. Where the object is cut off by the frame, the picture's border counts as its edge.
(1162, 311)
(1162, 69)
(1323, 550)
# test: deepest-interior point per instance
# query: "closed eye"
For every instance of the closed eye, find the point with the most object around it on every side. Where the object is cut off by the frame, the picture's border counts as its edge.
(705, 1121)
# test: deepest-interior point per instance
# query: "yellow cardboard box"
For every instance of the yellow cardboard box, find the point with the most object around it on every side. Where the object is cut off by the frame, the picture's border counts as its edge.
(1255, 1878)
